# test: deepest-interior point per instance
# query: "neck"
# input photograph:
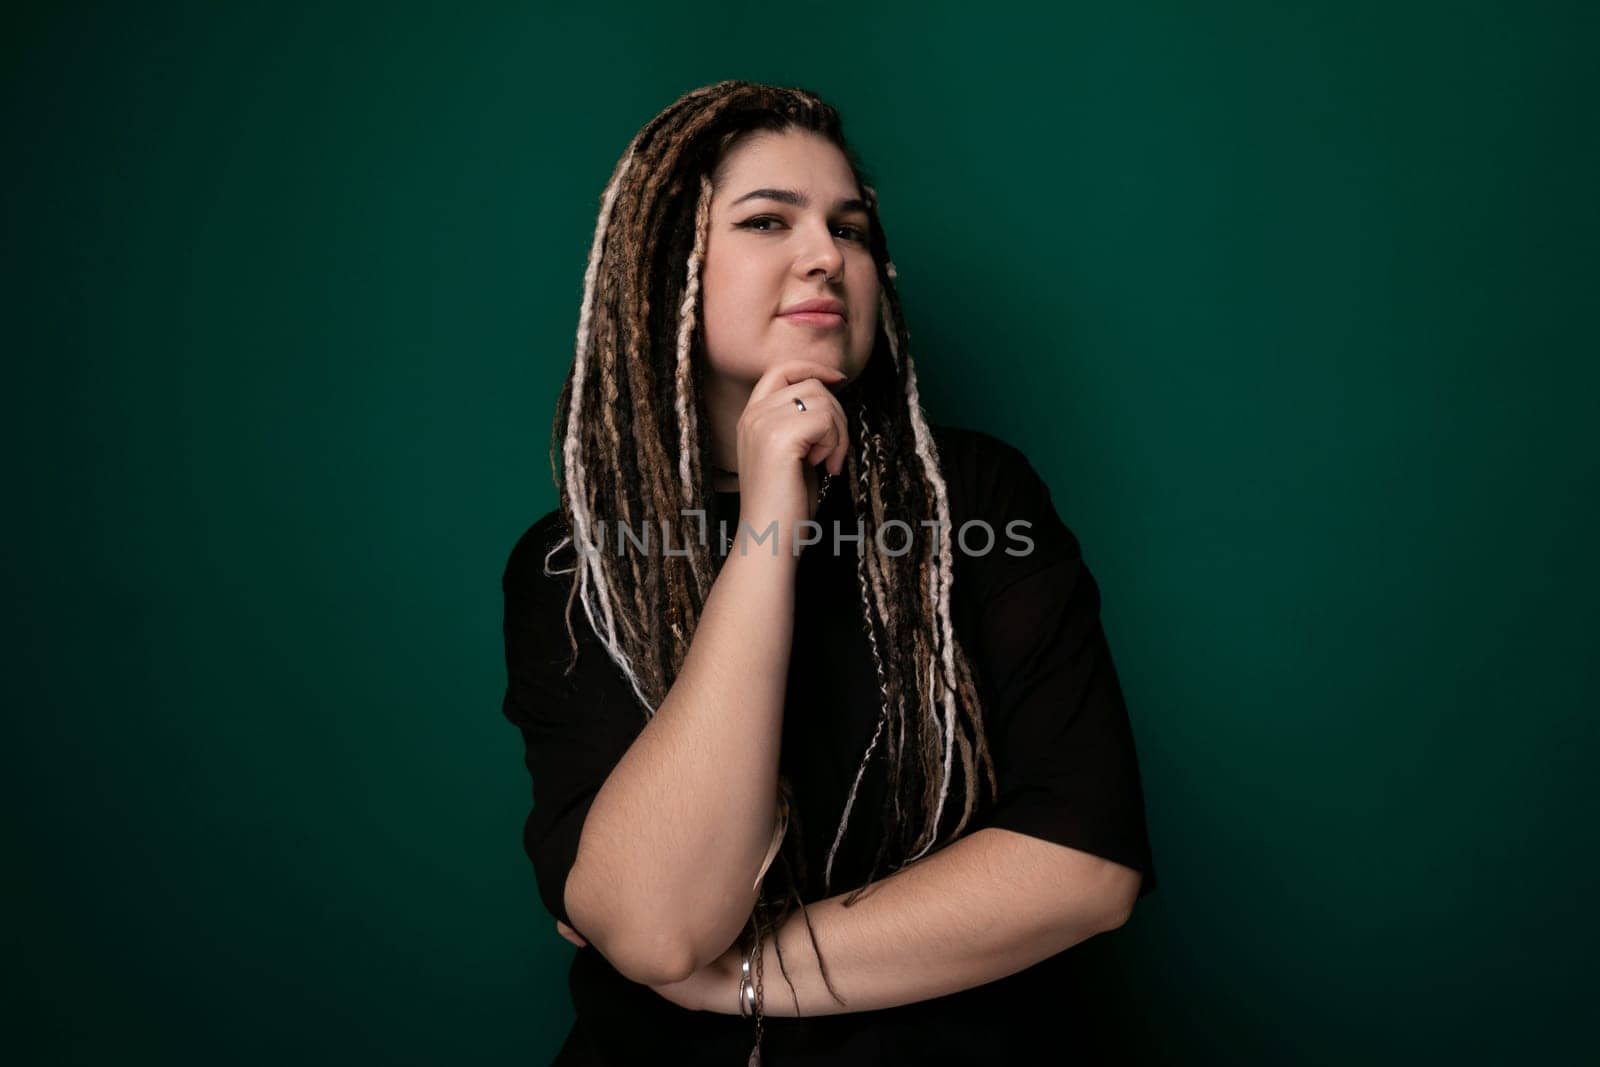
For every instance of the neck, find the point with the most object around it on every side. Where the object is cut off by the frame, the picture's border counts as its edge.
(725, 403)
(723, 480)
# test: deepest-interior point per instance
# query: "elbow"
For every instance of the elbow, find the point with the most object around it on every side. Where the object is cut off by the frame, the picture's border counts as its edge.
(1119, 899)
(639, 959)
(648, 953)
(657, 953)
(1116, 916)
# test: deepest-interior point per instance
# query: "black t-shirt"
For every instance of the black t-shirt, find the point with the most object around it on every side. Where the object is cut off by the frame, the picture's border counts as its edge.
(1057, 728)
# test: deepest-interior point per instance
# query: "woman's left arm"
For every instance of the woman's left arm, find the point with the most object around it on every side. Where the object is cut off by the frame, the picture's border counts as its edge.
(1042, 871)
(983, 907)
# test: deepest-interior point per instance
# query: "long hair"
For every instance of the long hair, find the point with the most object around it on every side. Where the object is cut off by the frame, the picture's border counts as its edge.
(632, 435)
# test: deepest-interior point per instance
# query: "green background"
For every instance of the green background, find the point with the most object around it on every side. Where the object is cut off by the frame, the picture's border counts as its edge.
(1291, 304)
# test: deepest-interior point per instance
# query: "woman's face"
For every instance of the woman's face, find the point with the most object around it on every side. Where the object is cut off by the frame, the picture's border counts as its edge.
(787, 226)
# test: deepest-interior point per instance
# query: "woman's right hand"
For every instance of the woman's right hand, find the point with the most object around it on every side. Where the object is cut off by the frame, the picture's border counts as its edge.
(780, 446)
(570, 934)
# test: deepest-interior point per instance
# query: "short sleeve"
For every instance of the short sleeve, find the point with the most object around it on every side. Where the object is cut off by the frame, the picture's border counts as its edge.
(575, 727)
(1060, 732)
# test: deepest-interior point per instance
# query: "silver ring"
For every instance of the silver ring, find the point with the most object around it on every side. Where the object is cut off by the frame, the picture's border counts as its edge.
(801, 404)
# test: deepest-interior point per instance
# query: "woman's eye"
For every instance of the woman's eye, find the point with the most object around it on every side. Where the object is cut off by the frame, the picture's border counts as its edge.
(758, 223)
(764, 224)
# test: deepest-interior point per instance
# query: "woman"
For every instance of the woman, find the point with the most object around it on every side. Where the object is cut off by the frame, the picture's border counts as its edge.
(728, 719)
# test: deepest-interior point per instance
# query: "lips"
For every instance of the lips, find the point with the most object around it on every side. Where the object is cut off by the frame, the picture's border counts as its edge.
(823, 319)
(821, 312)
(823, 305)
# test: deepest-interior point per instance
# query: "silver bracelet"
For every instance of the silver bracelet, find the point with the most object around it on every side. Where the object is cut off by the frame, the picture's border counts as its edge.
(747, 989)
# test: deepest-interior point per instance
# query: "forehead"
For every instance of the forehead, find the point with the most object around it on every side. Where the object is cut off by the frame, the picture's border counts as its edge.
(793, 159)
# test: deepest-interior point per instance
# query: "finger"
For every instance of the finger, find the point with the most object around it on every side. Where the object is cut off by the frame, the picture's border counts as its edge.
(833, 454)
(821, 440)
(832, 431)
(842, 450)
(837, 446)
(792, 372)
(825, 445)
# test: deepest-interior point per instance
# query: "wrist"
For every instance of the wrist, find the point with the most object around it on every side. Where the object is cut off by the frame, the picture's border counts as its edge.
(775, 555)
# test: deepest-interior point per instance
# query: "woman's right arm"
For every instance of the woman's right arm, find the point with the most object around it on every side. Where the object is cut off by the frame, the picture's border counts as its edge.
(663, 879)
(674, 838)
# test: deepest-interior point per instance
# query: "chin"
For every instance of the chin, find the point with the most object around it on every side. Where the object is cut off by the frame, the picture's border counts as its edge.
(828, 357)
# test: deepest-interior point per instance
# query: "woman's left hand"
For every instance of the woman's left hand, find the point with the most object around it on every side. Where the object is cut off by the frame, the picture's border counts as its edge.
(713, 988)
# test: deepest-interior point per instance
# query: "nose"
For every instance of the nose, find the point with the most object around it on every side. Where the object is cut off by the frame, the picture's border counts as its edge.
(820, 252)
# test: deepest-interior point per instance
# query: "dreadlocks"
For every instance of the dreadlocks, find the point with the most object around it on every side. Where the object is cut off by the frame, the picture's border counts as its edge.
(632, 436)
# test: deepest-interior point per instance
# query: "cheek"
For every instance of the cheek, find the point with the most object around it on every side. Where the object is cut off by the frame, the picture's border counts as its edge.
(730, 313)
(725, 285)
(714, 295)
(867, 328)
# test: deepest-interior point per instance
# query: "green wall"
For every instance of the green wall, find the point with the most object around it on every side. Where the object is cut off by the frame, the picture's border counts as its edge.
(1291, 304)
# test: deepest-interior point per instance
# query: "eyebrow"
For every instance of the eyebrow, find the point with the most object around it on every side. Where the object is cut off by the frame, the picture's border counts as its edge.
(790, 196)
